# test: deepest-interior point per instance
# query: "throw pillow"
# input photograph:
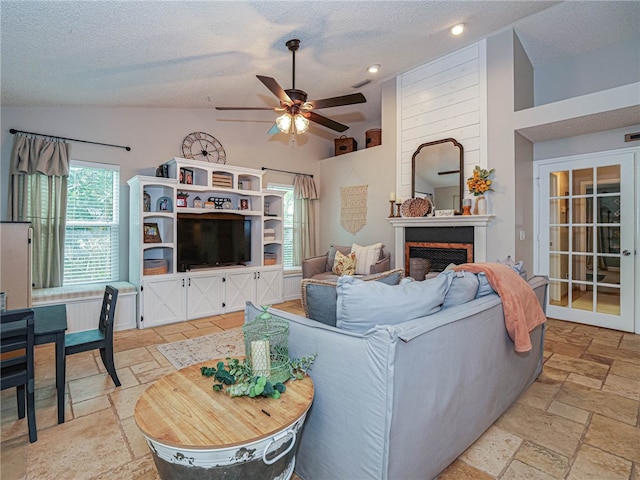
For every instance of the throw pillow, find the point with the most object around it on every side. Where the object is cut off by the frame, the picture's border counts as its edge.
(484, 287)
(362, 305)
(331, 255)
(463, 289)
(319, 296)
(366, 257)
(517, 267)
(344, 264)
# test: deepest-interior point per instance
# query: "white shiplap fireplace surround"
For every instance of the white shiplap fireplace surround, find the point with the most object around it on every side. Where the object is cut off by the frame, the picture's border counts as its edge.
(478, 222)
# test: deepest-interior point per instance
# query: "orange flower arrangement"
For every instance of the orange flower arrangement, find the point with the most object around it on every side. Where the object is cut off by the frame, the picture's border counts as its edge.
(480, 183)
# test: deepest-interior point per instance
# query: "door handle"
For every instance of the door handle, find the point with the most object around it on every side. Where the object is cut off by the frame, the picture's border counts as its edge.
(626, 253)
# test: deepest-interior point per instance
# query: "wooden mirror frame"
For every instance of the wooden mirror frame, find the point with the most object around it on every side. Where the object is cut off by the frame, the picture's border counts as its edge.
(460, 168)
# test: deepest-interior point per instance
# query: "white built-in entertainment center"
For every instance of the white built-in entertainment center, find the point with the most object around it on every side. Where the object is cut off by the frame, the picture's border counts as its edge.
(171, 290)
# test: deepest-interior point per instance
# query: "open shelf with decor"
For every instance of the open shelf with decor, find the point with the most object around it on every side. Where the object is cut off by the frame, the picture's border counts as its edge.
(203, 225)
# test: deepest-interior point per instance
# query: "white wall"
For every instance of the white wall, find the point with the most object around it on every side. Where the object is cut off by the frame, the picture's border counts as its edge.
(443, 99)
(155, 135)
(374, 167)
(501, 144)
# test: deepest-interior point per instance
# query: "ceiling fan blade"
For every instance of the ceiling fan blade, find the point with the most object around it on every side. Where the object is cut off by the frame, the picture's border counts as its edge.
(246, 108)
(327, 122)
(338, 101)
(275, 88)
(273, 130)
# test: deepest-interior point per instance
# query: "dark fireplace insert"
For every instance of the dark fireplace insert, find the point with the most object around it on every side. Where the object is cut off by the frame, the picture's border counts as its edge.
(432, 249)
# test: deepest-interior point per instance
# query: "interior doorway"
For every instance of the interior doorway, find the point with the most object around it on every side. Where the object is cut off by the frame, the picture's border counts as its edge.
(587, 237)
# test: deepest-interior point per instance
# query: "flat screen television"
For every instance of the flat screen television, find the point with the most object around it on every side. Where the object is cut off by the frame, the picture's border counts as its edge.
(212, 240)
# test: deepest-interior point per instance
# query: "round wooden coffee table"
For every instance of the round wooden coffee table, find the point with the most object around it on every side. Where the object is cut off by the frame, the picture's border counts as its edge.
(194, 432)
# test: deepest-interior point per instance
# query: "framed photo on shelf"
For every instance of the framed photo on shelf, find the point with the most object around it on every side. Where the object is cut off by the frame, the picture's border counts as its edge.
(186, 176)
(151, 233)
(164, 204)
(162, 171)
(244, 203)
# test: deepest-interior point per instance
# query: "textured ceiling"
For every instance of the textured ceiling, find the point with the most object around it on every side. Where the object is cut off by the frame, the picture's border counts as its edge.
(190, 54)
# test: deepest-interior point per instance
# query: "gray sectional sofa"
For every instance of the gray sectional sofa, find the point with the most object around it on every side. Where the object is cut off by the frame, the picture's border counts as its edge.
(403, 400)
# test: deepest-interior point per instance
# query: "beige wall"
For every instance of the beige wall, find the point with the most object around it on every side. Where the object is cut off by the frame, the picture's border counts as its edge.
(155, 136)
(374, 167)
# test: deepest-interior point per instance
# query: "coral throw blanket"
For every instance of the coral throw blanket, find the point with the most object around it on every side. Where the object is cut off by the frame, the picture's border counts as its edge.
(522, 310)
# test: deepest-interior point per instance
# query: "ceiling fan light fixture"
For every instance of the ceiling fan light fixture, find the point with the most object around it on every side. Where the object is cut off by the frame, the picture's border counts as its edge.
(284, 122)
(457, 29)
(301, 123)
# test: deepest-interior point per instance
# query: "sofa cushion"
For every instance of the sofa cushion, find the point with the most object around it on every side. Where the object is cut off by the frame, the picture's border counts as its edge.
(484, 287)
(463, 288)
(366, 256)
(331, 255)
(362, 305)
(319, 297)
(517, 267)
(344, 264)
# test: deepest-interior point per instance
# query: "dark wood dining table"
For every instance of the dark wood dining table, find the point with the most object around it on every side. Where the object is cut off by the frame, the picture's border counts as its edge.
(50, 323)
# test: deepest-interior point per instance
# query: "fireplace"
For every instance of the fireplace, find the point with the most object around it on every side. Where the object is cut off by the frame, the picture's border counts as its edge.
(434, 248)
(436, 257)
(439, 241)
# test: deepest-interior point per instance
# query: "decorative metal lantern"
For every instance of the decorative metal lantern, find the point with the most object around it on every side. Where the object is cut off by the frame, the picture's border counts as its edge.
(266, 341)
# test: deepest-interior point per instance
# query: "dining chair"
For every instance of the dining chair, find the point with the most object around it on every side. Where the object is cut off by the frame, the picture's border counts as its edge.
(101, 337)
(17, 340)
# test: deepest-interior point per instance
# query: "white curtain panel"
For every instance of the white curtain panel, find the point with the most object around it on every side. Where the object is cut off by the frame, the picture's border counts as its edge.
(304, 225)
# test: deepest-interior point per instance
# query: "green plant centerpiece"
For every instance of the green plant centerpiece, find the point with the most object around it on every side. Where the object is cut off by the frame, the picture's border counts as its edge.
(267, 365)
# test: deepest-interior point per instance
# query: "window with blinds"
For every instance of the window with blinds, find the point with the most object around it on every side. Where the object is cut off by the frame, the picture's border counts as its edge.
(91, 242)
(287, 244)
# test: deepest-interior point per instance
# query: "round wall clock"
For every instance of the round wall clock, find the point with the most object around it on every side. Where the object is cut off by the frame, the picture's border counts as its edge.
(202, 146)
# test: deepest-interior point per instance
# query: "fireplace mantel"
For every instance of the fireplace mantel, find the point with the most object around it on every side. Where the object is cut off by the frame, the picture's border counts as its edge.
(478, 222)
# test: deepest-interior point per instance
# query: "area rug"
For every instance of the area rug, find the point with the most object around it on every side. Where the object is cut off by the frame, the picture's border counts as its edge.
(183, 353)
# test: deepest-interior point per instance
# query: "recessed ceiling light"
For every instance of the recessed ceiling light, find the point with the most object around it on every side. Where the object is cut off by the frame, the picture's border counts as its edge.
(373, 68)
(457, 29)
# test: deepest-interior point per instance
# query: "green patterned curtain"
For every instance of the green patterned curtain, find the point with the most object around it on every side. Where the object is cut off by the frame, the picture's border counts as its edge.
(38, 194)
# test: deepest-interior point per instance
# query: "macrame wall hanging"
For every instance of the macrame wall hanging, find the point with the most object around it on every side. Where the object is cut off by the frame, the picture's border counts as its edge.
(353, 207)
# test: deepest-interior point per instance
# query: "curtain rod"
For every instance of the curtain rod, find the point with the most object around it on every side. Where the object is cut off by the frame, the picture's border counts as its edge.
(287, 171)
(14, 131)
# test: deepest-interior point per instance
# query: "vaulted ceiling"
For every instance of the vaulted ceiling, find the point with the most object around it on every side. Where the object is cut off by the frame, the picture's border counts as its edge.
(194, 54)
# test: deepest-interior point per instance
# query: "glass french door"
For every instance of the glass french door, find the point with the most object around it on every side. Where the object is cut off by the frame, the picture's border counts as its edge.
(587, 238)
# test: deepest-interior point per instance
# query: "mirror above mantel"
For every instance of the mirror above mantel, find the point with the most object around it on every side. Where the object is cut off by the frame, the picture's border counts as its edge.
(437, 173)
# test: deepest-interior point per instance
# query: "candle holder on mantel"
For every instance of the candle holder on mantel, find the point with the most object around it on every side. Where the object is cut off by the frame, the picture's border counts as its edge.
(398, 203)
(391, 209)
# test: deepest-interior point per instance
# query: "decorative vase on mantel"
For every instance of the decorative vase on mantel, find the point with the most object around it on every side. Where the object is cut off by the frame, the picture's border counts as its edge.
(481, 205)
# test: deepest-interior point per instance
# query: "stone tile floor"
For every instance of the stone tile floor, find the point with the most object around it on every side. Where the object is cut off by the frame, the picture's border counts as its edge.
(579, 420)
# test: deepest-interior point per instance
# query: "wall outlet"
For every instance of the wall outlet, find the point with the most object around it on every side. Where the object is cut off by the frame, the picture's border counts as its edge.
(522, 235)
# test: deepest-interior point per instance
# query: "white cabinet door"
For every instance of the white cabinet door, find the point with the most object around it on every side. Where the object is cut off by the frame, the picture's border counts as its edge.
(239, 288)
(163, 301)
(204, 296)
(269, 287)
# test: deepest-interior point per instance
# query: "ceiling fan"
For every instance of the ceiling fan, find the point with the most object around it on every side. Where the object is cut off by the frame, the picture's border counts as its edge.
(293, 102)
